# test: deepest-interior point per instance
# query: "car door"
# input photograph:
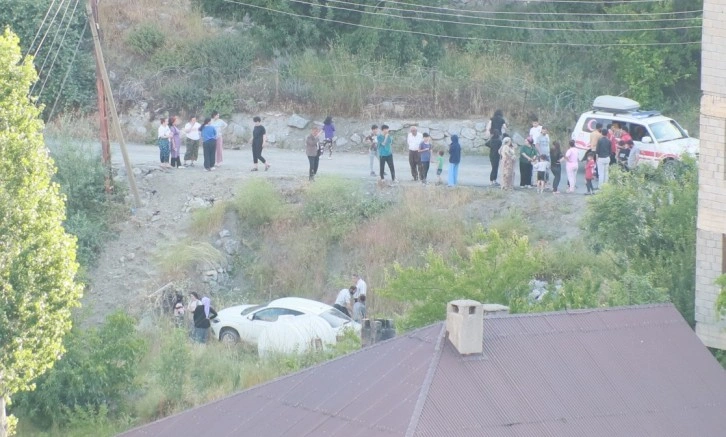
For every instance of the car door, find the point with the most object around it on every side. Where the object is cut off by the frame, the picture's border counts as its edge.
(260, 320)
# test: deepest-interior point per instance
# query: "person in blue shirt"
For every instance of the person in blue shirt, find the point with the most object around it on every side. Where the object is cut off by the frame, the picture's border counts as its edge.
(209, 143)
(424, 150)
(454, 160)
(385, 152)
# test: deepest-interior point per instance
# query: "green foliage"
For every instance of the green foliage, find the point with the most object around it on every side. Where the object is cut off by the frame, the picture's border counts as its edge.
(96, 373)
(182, 95)
(258, 202)
(37, 260)
(172, 364)
(221, 101)
(337, 205)
(648, 219)
(721, 300)
(496, 269)
(146, 39)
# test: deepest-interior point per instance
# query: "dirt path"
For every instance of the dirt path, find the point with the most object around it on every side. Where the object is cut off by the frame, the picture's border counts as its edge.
(126, 271)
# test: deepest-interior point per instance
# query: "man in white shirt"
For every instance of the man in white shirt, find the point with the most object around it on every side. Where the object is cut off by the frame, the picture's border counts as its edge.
(535, 131)
(192, 134)
(413, 141)
(360, 287)
(343, 302)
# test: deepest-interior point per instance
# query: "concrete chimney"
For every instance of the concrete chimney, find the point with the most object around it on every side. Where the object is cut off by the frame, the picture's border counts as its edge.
(465, 326)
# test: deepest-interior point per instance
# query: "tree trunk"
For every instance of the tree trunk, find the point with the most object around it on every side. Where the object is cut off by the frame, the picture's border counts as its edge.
(3, 418)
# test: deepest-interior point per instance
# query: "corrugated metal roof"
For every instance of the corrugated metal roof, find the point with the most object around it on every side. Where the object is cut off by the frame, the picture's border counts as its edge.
(637, 371)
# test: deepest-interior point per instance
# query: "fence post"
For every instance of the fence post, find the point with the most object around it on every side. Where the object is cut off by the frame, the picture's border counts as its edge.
(436, 100)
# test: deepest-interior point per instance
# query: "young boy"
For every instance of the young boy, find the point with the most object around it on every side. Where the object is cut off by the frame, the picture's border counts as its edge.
(372, 141)
(540, 166)
(589, 172)
(440, 167)
(424, 150)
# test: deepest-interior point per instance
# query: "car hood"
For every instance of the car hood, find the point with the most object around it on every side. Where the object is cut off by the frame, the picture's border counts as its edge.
(233, 311)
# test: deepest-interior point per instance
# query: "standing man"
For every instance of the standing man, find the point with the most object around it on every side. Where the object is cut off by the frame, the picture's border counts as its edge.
(313, 150)
(259, 139)
(385, 153)
(602, 149)
(595, 136)
(192, 134)
(413, 141)
(360, 287)
(343, 302)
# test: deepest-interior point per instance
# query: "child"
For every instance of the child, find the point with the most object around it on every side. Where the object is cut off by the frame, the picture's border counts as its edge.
(424, 150)
(329, 131)
(589, 173)
(540, 166)
(359, 309)
(440, 167)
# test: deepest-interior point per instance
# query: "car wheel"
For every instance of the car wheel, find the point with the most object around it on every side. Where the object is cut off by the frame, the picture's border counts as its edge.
(229, 336)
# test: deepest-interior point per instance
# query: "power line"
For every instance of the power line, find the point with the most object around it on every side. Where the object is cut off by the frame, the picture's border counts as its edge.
(52, 20)
(462, 38)
(512, 20)
(501, 26)
(52, 64)
(52, 44)
(35, 38)
(68, 70)
(417, 6)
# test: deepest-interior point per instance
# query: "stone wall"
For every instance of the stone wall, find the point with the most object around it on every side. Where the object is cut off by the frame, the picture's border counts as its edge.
(712, 176)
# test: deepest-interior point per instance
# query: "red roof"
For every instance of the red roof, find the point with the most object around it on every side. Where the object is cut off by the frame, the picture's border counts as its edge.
(635, 371)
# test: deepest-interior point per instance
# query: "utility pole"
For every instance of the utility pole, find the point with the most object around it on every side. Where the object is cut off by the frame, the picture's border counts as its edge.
(102, 114)
(111, 110)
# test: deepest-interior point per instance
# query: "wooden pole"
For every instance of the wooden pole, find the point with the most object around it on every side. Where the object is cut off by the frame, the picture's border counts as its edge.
(111, 103)
(102, 112)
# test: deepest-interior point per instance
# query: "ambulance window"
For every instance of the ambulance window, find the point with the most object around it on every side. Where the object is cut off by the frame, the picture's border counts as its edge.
(638, 131)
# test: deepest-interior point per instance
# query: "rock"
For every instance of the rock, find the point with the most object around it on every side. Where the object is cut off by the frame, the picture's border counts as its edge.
(399, 110)
(387, 106)
(453, 130)
(468, 133)
(155, 218)
(122, 260)
(341, 142)
(355, 138)
(436, 135)
(137, 171)
(218, 243)
(224, 233)
(480, 127)
(297, 121)
(197, 203)
(394, 126)
(271, 138)
(130, 256)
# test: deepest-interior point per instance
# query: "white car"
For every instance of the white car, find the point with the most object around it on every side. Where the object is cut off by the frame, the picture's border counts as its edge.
(246, 322)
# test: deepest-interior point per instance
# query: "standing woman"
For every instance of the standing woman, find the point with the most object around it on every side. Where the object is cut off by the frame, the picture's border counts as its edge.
(571, 166)
(191, 131)
(556, 159)
(162, 140)
(175, 142)
(508, 153)
(454, 160)
(494, 144)
(209, 143)
(203, 313)
(329, 131)
(497, 122)
(259, 138)
(220, 125)
(527, 154)
(313, 151)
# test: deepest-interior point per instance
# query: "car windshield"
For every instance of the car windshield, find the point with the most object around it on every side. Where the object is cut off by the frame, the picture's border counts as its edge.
(250, 309)
(335, 318)
(667, 130)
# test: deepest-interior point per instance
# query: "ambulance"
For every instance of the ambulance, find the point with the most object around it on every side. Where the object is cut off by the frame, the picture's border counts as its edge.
(659, 139)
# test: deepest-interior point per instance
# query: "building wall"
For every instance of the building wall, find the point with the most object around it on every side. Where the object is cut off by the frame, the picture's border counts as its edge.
(712, 175)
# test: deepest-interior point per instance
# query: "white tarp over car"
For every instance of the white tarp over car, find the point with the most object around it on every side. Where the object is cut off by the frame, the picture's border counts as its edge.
(296, 335)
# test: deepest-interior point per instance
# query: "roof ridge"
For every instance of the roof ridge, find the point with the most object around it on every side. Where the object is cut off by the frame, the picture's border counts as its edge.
(582, 311)
(423, 394)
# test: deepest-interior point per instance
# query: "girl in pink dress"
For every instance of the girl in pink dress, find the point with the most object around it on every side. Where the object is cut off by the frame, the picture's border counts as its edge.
(571, 159)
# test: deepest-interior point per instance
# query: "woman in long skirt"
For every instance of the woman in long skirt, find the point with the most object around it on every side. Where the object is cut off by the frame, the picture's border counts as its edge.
(220, 125)
(508, 153)
(175, 142)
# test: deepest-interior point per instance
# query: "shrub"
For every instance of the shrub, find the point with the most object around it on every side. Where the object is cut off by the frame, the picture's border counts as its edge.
(182, 95)
(185, 256)
(258, 202)
(146, 39)
(222, 101)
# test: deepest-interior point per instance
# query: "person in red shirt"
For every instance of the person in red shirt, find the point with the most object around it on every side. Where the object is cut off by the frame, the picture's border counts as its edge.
(589, 173)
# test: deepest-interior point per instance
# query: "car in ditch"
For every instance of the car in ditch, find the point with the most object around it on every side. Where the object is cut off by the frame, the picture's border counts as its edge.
(245, 323)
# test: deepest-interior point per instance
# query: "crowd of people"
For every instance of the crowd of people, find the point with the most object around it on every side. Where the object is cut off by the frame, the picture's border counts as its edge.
(196, 315)
(210, 134)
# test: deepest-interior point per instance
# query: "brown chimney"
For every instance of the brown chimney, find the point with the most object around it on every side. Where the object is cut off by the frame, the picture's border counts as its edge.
(465, 326)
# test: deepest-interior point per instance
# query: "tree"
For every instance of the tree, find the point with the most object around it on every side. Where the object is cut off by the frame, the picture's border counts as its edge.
(37, 257)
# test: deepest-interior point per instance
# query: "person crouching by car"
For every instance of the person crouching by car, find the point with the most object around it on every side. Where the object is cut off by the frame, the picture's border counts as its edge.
(343, 302)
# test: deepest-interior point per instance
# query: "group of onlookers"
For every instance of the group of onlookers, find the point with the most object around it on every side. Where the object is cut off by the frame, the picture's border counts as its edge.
(211, 135)
(197, 315)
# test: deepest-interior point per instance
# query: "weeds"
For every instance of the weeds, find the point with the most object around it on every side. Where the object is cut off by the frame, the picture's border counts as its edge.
(257, 203)
(208, 221)
(188, 256)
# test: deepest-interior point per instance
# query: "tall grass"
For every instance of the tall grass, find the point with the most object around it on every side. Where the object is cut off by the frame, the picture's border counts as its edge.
(257, 203)
(187, 256)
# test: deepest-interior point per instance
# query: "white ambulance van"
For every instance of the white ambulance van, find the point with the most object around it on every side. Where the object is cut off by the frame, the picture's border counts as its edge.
(659, 139)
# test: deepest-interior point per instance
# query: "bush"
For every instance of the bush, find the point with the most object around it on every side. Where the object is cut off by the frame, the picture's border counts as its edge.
(146, 39)
(258, 202)
(182, 95)
(97, 372)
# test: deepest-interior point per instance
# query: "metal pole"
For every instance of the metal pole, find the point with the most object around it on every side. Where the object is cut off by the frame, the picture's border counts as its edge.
(102, 112)
(111, 104)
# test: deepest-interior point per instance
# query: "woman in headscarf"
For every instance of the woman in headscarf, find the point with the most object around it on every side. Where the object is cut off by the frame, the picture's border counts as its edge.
(175, 142)
(203, 313)
(508, 153)
(454, 160)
